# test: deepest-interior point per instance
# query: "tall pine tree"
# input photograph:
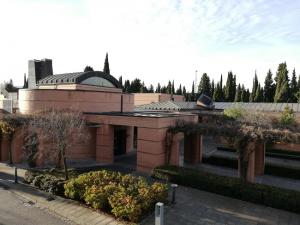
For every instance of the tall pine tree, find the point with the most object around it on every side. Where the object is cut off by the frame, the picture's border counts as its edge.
(179, 90)
(293, 87)
(269, 88)
(259, 95)
(238, 94)
(282, 84)
(158, 88)
(212, 89)
(192, 98)
(254, 88)
(204, 85)
(230, 88)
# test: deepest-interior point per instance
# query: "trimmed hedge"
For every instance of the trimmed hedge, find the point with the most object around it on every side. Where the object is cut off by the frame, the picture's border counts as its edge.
(45, 182)
(275, 170)
(231, 187)
(125, 196)
(221, 161)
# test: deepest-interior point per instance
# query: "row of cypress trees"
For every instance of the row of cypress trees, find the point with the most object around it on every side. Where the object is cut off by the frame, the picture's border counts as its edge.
(279, 89)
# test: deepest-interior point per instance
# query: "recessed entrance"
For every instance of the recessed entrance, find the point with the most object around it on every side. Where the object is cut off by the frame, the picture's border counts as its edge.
(119, 140)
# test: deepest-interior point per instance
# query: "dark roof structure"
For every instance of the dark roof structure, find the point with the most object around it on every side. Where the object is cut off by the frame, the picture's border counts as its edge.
(192, 106)
(96, 78)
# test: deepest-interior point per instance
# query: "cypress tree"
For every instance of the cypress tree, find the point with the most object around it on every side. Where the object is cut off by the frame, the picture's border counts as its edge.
(173, 88)
(163, 89)
(238, 94)
(217, 97)
(243, 93)
(151, 89)
(106, 65)
(136, 86)
(269, 88)
(193, 92)
(254, 88)
(282, 84)
(127, 86)
(259, 95)
(230, 88)
(158, 88)
(88, 69)
(25, 84)
(204, 85)
(212, 89)
(179, 90)
(294, 87)
(169, 88)
(121, 82)
(184, 92)
(222, 94)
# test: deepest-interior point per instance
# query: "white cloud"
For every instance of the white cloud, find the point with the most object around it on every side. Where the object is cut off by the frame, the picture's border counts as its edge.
(154, 40)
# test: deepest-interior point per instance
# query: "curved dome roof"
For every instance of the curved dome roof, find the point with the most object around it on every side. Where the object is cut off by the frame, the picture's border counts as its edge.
(96, 78)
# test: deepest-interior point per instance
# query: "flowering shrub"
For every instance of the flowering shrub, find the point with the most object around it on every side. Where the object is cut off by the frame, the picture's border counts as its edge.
(126, 196)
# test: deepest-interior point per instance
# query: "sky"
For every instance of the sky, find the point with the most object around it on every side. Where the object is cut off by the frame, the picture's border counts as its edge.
(154, 40)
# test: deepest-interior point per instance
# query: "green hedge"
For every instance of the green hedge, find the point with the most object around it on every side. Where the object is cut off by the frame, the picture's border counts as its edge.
(125, 196)
(231, 187)
(221, 161)
(45, 182)
(275, 170)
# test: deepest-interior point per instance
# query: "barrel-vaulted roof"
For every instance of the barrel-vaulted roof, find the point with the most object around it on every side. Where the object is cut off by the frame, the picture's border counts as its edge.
(96, 78)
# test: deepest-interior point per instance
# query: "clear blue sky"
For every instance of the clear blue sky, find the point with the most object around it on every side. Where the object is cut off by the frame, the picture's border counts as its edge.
(154, 40)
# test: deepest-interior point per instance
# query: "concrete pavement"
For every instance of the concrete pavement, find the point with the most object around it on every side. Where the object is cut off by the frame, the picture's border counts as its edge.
(196, 207)
(65, 208)
(15, 210)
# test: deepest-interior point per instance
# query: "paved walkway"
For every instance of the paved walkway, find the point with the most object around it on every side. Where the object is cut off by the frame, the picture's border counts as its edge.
(66, 208)
(18, 211)
(196, 207)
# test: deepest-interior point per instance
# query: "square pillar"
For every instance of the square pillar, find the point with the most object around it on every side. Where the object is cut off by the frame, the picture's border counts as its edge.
(17, 145)
(175, 150)
(260, 151)
(193, 148)
(105, 144)
(129, 139)
(150, 148)
(4, 148)
(250, 177)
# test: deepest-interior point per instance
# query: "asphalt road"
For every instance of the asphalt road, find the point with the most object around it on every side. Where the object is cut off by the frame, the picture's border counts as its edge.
(15, 210)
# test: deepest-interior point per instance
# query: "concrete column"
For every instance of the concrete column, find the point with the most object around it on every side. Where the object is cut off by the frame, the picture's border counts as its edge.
(251, 163)
(193, 148)
(4, 148)
(17, 145)
(175, 151)
(260, 151)
(129, 139)
(251, 167)
(105, 144)
(150, 148)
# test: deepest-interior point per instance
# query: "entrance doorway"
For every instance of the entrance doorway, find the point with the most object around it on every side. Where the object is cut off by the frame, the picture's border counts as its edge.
(119, 141)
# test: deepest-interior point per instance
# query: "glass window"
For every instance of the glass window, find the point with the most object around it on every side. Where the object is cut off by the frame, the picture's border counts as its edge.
(98, 81)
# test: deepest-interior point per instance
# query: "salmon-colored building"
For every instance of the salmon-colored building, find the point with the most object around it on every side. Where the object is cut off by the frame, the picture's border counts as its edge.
(116, 129)
(120, 123)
